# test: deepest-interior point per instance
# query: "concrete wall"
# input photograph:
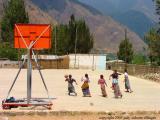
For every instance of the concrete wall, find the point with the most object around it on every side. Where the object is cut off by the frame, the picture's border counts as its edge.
(88, 61)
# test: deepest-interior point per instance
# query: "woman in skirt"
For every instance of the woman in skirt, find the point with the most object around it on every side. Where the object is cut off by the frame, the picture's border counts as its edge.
(85, 86)
(70, 81)
(102, 84)
(127, 83)
(115, 85)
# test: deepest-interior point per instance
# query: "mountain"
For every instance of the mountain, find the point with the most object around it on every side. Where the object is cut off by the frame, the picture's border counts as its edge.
(124, 10)
(36, 15)
(136, 21)
(107, 32)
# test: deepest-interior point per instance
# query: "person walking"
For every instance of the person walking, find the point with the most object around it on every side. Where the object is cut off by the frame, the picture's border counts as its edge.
(127, 83)
(115, 85)
(70, 81)
(102, 83)
(85, 86)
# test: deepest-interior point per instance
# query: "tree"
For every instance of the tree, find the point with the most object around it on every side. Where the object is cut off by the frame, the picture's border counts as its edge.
(85, 39)
(66, 36)
(14, 12)
(7, 52)
(153, 40)
(125, 52)
(72, 34)
(139, 59)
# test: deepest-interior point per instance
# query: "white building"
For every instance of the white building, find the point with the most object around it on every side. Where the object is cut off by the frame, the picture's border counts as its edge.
(88, 61)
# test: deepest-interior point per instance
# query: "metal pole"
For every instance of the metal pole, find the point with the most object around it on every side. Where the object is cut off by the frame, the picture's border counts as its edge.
(125, 48)
(38, 67)
(125, 45)
(93, 62)
(56, 47)
(16, 78)
(29, 76)
(75, 49)
(55, 41)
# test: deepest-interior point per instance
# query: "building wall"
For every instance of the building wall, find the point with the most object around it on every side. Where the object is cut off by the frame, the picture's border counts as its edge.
(88, 61)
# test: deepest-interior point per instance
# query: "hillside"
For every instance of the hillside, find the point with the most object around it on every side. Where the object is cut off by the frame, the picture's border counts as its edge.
(136, 21)
(126, 11)
(108, 33)
(36, 15)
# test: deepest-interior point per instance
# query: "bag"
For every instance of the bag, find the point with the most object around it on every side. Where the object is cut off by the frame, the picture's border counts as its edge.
(85, 85)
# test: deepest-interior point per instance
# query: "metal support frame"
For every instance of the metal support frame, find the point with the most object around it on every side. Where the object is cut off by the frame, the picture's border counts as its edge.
(38, 67)
(16, 78)
(30, 52)
(29, 76)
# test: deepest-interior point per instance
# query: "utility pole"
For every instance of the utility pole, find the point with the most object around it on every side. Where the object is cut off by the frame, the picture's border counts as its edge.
(55, 51)
(75, 49)
(126, 47)
(93, 60)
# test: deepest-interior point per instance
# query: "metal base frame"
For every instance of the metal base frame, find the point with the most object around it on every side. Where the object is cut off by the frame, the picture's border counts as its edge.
(29, 101)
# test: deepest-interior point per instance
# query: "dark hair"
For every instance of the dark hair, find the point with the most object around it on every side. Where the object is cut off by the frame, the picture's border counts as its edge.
(70, 76)
(125, 70)
(101, 76)
(115, 71)
(86, 75)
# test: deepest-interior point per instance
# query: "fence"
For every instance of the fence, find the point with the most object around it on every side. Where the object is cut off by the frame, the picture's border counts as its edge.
(8, 64)
(133, 69)
(45, 62)
(60, 62)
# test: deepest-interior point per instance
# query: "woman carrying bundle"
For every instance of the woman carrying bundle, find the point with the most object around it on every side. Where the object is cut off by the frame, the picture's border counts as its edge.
(85, 86)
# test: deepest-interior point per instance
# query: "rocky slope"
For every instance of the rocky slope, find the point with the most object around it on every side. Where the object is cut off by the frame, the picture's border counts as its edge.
(108, 33)
(138, 15)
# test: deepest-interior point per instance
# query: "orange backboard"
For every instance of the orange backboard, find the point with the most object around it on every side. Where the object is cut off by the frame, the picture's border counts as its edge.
(39, 35)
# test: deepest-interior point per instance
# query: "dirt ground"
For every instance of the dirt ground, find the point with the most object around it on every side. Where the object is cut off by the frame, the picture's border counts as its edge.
(146, 95)
(83, 116)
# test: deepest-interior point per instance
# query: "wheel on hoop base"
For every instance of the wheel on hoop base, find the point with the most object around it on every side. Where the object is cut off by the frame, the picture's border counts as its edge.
(6, 107)
(50, 107)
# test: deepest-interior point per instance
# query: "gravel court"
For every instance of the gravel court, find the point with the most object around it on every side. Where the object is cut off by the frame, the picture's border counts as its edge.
(145, 97)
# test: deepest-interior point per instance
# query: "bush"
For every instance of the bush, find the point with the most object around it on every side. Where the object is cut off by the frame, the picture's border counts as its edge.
(139, 59)
(7, 52)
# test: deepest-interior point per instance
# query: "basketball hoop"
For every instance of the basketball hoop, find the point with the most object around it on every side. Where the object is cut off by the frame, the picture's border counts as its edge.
(31, 37)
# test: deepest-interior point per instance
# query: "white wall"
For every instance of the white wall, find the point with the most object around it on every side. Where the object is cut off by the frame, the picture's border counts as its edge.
(88, 61)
